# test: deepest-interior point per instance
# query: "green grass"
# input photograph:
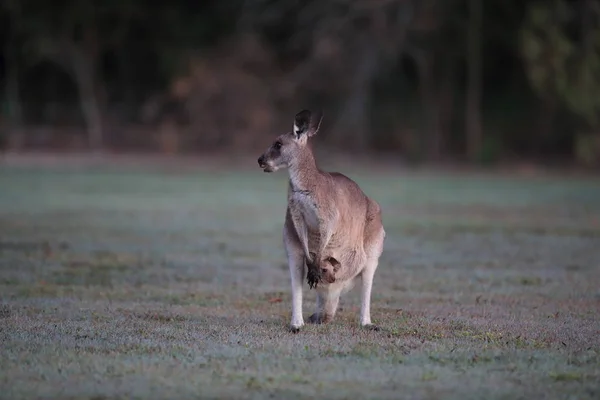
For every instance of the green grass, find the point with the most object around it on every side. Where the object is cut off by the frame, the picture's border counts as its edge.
(124, 283)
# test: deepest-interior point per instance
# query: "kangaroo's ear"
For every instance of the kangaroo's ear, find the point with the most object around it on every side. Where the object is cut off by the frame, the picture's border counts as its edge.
(315, 124)
(335, 264)
(305, 123)
(302, 123)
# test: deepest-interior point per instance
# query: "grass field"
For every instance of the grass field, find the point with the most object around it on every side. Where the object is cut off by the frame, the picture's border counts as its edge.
(130, 283)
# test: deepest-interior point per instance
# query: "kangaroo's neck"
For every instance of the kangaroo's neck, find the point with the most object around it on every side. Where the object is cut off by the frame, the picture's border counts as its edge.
(303, 171)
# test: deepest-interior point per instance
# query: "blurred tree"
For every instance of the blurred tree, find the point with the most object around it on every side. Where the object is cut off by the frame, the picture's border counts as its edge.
(474, 79)
(12, 97)
(429, 77)
(78, 35)
(72, 35)
(434, 45)
(347, 40)
(561, 48)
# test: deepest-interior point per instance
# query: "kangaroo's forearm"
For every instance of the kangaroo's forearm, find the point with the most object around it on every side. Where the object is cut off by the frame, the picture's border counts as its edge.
(303, 236)
(302, 232)
(325, 237)
(314, 259)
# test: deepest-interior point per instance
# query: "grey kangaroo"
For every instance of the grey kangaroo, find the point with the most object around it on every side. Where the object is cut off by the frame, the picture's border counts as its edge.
(328, 217)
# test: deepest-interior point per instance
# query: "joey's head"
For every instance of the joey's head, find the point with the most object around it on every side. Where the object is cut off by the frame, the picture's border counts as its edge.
(329, 267)
(288, 147)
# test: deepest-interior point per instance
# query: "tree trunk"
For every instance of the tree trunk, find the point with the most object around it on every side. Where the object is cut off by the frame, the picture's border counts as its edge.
(83, 58)
(352, 127)
(446, 104)
(546, 120)
(589, 31)
(14, 132)
(89, 105)
(430, 138)
(474, 77)
(126, 77)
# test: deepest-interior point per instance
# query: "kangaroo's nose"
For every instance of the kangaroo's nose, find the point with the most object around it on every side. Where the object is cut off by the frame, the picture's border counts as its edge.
(261, 161)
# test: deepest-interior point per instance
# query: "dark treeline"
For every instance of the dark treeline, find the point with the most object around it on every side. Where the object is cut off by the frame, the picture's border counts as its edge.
(426, 79)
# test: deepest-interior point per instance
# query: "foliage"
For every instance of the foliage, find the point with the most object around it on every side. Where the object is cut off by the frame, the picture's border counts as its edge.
(559, 64)
(406, 76)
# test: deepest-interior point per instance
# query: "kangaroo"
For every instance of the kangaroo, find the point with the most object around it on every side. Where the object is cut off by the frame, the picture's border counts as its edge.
(325, 271)
(328, 217)
(329, 269)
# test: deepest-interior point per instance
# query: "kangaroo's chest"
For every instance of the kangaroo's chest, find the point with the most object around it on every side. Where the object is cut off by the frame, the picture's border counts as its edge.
(304, 208)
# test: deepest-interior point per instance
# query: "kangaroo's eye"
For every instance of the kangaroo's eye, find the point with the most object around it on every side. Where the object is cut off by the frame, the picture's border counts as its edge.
(277, 145)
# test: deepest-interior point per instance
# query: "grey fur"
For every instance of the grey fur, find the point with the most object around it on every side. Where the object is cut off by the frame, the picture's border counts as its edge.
(328, 215)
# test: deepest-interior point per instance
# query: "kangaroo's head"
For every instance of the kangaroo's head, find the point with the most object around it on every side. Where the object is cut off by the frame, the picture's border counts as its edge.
(329, 267)
(289, 147)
